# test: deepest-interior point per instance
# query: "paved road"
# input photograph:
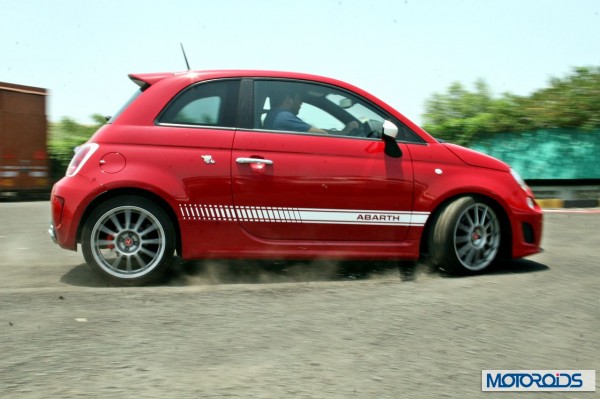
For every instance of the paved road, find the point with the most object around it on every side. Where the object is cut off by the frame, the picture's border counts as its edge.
(285, 330)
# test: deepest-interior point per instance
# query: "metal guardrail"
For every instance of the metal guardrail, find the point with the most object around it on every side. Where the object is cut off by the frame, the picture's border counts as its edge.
(566, 195)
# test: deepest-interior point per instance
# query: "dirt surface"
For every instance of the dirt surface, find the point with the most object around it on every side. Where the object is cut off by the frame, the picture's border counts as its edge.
(219, 329)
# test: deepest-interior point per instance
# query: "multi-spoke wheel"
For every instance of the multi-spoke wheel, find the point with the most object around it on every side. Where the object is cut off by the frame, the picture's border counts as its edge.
(466, 237)
(128, 239)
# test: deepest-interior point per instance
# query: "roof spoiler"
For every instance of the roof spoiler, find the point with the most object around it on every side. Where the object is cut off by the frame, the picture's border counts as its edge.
(145, 80)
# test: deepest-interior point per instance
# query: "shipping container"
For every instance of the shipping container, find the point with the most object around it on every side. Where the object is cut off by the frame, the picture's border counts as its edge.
(24, 168)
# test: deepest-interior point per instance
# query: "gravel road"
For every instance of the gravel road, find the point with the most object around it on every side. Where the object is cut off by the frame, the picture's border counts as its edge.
(223, 329)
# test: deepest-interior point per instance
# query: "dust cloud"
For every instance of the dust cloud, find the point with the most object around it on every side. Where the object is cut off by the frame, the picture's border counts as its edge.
(214, 272)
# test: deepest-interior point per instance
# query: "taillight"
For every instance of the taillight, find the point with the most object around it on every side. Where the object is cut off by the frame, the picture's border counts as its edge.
(58, 204)
(82, 154)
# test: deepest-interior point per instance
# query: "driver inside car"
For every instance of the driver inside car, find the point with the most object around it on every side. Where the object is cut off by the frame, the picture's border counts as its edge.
(283, 115)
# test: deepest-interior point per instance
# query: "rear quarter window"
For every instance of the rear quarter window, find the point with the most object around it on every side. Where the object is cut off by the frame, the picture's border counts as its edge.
(204, 104)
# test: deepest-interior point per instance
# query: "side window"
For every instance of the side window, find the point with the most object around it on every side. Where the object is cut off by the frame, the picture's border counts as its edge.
(298, 106)
(292, 106)
(205, 104)
(318, 117)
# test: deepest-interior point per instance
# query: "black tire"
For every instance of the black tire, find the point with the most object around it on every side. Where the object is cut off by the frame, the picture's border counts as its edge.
(128, 240)
(466, 237)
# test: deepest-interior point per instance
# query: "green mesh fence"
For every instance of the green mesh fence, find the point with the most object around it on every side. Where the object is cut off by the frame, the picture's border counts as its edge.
(547, 154)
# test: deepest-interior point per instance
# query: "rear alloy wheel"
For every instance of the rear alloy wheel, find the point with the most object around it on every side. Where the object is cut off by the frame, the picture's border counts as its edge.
(466, 237)
(129, 240)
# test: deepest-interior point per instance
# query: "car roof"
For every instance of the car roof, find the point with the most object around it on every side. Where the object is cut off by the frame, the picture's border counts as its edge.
(148, 79)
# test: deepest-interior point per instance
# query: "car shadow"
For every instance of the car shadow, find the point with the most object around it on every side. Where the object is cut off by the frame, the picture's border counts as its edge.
(518, 266)
(83, 276)
(215, 272)
(510, 266)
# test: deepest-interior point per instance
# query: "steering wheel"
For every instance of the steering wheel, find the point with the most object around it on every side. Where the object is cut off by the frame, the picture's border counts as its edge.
(363, 130)
(366, 127)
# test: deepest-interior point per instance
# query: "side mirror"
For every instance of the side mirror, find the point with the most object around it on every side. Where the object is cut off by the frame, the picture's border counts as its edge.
(390, 131)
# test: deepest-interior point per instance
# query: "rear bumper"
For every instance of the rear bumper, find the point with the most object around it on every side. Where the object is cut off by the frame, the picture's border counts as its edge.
(69, 199)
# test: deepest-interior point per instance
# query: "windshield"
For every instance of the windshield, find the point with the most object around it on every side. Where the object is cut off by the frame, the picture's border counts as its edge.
(353, 107)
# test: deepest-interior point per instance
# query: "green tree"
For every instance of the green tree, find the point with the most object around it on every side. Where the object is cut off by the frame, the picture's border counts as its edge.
(460, 115)
(571, 102)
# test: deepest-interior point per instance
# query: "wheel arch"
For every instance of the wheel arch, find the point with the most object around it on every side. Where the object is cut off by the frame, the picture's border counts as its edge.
(107, 195)
(505, 225)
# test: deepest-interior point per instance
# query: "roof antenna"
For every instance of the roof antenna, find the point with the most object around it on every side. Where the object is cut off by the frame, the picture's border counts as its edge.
(184, 56)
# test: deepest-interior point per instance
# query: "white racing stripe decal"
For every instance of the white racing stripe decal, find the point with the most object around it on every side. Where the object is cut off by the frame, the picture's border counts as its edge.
(230, 213)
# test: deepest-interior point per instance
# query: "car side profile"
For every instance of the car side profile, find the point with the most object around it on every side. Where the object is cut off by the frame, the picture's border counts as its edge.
(262, 164)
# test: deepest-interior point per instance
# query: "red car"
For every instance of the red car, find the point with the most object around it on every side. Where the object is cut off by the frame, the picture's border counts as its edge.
(257, 164)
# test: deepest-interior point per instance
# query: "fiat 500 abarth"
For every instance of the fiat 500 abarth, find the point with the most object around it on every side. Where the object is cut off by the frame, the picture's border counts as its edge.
(257, 164)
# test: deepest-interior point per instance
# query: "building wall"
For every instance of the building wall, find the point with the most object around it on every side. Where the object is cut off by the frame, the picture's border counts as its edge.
(553, 154)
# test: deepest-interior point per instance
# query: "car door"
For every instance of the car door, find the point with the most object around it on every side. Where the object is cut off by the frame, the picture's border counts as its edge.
(339, 186)
(197, 129)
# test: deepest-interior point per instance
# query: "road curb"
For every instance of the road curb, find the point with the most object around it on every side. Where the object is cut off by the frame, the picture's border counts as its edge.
(560, 203)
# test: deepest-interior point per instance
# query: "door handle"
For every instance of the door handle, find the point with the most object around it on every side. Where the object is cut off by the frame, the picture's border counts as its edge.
(254, 161)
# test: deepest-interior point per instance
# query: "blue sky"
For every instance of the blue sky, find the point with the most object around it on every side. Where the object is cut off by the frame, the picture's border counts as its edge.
(401, 51)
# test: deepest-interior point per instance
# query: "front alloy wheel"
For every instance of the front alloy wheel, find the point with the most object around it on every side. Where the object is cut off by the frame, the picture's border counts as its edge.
(466, 237)
(129, 240)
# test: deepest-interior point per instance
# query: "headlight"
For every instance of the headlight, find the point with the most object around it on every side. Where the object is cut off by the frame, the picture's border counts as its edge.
(530, 203)
(519, 180)
(524, 186)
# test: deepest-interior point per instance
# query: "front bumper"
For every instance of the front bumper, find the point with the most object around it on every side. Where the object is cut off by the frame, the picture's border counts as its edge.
(52, 232)
(527, 226)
